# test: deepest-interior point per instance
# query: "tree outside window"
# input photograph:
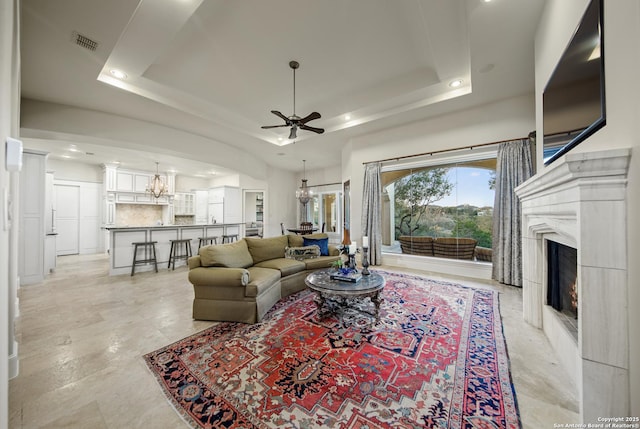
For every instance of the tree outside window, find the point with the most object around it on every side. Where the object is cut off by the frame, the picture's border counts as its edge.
(454, 200)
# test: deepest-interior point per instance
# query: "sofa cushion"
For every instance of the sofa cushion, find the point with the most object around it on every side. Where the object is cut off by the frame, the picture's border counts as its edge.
(323, 243)
(230, 255)
(260, 279)
(302, 253)
(263, 249)
(285, 266)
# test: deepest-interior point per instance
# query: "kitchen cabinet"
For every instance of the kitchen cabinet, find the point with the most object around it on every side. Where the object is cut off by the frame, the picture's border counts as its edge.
(129, 181)
(133, 198)
(116, 180)
(184, 204)
(124, 181)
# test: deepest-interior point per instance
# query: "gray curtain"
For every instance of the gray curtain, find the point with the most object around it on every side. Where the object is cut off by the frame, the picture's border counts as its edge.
(372, 211)
(513, 167)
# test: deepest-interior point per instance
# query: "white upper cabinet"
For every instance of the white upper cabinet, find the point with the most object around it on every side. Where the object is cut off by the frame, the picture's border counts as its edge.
(117, 180)
(184, 204)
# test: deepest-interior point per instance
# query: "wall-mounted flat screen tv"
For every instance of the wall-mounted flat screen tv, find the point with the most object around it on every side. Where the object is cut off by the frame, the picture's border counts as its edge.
(574, 98)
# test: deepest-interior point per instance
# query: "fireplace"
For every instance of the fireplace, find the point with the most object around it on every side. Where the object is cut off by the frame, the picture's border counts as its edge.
(562, 283)
(579, 202)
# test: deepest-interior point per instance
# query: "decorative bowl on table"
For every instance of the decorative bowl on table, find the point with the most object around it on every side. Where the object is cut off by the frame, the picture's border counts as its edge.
(346, 275)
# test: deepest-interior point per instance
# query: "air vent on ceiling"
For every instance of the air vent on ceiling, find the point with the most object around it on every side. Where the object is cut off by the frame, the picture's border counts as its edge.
(84, 41)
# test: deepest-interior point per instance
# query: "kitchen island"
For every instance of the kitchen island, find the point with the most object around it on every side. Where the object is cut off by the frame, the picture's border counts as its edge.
(121, 237)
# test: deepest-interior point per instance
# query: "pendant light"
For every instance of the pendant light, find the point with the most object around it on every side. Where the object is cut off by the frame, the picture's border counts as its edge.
(156, 187)
(303, 193)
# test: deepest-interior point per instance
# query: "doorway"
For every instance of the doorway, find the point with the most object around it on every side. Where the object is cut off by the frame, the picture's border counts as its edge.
(67, 203)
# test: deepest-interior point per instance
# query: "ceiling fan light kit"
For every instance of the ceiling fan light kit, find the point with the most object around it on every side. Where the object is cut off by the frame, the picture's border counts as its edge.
(294, 121)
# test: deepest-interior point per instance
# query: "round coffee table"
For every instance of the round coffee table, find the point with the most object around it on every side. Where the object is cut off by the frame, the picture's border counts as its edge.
(344, 294)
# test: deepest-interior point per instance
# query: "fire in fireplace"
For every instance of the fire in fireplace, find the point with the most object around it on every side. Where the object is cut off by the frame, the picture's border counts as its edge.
(562, 271)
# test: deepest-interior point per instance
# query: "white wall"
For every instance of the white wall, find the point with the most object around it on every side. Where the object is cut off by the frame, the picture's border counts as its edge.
(622, 62)
(187, 184)
(280, 204)
(507, 119)
(9, 126)
(321, 176)
(70, 170)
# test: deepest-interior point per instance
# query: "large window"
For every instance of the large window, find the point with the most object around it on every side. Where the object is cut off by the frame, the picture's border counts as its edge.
(440, 209)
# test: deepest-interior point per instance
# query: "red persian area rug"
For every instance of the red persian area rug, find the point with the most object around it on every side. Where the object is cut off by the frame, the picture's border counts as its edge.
(436, 359)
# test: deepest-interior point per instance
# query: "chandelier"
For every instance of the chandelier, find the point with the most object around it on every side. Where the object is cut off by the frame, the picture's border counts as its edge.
(156, 187)
(303, 193)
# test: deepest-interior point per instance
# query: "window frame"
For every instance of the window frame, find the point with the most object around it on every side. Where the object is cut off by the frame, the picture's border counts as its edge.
(451, 266)
(318, 193)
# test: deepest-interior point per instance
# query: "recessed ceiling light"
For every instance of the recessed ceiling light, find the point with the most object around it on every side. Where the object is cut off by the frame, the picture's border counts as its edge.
(347, 117)
(118, 73)
(455, 83)
(66, 156)
(280, 139)
(487, 1)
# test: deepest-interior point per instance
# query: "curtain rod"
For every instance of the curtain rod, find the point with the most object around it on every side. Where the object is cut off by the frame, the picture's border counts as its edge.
(326, 184)
(450, 150)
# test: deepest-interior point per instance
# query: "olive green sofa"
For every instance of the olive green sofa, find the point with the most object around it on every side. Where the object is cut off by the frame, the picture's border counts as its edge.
(241, 281)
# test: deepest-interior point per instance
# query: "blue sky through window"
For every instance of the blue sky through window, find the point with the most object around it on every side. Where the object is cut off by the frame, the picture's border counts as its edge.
(471, 187)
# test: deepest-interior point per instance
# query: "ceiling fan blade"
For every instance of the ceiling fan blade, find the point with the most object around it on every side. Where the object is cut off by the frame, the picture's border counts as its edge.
(314, 129)
(310, 117)
(280, 115)
(274, 126)
(293, 135)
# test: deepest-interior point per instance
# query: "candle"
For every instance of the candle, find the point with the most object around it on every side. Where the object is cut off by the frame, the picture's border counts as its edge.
(365, 241)
(352, 248)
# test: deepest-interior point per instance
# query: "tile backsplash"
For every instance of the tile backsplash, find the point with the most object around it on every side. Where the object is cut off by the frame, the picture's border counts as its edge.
(184, 220)
(138, 214)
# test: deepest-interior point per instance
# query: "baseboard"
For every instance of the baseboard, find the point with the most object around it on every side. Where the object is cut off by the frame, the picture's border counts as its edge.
(14, 362)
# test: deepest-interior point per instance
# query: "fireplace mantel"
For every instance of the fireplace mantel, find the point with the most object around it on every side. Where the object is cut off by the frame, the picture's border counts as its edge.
(580, 201)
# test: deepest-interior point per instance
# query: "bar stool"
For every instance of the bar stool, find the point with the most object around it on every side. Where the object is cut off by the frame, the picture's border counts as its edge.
(177, 252)
(205, 241)
(229, 238)
(147, 259)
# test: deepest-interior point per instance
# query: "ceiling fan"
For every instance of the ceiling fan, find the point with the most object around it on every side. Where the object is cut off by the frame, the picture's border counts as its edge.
(294, 121)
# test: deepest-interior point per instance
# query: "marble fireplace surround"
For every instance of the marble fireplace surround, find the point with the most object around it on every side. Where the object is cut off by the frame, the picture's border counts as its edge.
(580, 201)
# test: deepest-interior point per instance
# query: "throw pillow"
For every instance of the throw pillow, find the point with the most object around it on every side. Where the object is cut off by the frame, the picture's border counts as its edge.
(264, 249)
(322, 243)
(231, 255)
(302, 253)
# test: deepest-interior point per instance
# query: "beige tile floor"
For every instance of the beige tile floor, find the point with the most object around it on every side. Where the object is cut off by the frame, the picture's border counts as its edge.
(82, 333)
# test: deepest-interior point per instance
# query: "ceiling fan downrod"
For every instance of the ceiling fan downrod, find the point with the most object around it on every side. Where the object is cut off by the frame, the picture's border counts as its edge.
(294, 65)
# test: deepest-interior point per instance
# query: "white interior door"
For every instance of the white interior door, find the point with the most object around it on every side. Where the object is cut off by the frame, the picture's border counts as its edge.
(68, 219)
